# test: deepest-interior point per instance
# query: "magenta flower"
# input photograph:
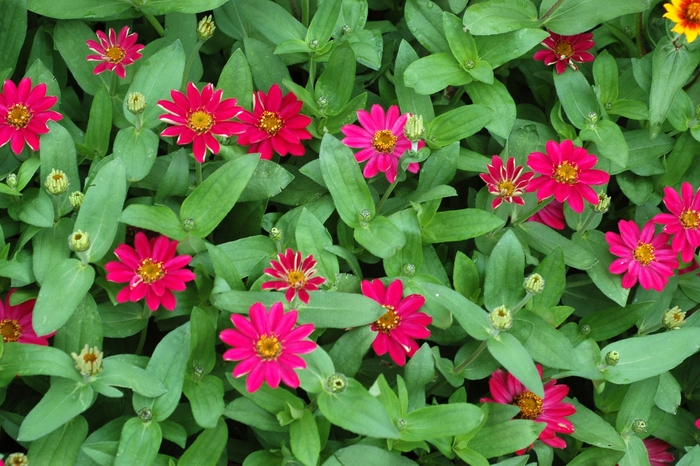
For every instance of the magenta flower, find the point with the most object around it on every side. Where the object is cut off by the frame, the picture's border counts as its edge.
(506, 182)
(551, 215)
(294, 274)
(16, 322)
(382, 141)
(563, 51)
(197, 118)
(398, 328)
(116, 52)
(506, 389)
(642, 256)
(683, 221)
(274, 125)
(26, 112)
(267, 346)
(566, 172)
(151, 269)
(658, 452)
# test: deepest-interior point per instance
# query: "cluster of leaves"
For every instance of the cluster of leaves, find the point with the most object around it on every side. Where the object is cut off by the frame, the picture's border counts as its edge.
(468, 71)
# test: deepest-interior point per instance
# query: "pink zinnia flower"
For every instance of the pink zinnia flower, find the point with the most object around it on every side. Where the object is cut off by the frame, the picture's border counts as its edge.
(26, 111)
(683, 221)
(267, 346)
(398, 328)
(294, 274)
(151, 269)
(507, 182)
(658, 452)
(16, 322)
(565, 50)
(506, 389)
(197, 118)
(566, 173)
(642, 256)
(275, 124)
(382, 141)
(551, 215)
(697, 424)
(115, 52)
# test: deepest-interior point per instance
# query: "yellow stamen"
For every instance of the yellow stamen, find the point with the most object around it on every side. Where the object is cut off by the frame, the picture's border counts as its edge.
(690, 219)
(148, 272)
(10, 330)
(644, 253)
(200, 121)
(563, 50)
(505, 188)
(18, 116)
(270, 122)
(692, 12)
(530, 405)
(268, 347)
(115, 54)
(296, 279)
(566, 173)
(384, 141)
(389, 321)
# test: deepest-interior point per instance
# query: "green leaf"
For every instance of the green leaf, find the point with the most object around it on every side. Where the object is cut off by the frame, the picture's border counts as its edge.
(411, 253)
(266, 67)
(690, 458)
(209, 203)
(576, 16)
(593, 456)
(637, 404)
(304, 440)
(605, 77)
(69, 38)
(505, 438)
(160, 7)
(53, 305)
(576, 96)
(380, 237)
(206, 398)
(457, 124)
(139, 443)
(366, 455)
(424, 20)
(84, 327)
(608, 323)
(409, 100)
(271, 20)
(368, 46)
(471, 317)
(236, 79)
(441, 421)
(496, 97)
(354, 409)
(544, 239)
(507, 350)
(668, 394)
(207, 448)
(50, 246)
(120, 373)
(13, 29)
(155, 218)
(545, 344)
(503, 285)
(64, 400)
(137, 150)
(636, 452)
(498, 49)
(593, 430)
(122, 320)
(323, 22)
(434, 73)
(99, 124)
(23, 359)
(319, 367)
(466, 277)
(35, 208)
(202, 340)
(679, 160)
(271, 400)
(458, 225)
(78, 8)
(609, 141)
(312, 238)
(499, 16)
(553, 270)
(62, 445)
(594, 243)
(246, 412)
(461, 42)
(268, 180)
(336, 82)
(637, 362)
(348, 350)
(345, 181)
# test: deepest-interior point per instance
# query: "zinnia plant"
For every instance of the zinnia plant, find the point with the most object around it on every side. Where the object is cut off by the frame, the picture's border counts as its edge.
(563, 51)
(294, 273)
(115, 52)
(686, 15)
(658, 452)
(684, 220)
(551, 215)
(16, 322)
(506, 182)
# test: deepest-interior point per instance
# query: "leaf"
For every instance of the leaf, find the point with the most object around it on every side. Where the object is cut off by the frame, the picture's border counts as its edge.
(366, 455)
(84, 327)
(576, 96)
(207, 447)
(336, 82)
(608, 323)
(498, 49)
(69, 38)
(434, 73)
(236, 79)
(545, 344)
(157, 218)
(605, 75)
(323, 22)
(60, 446)
(499, 16)
(593, 430)
(668, 394)
(23, 359)
(544, 239)
(609, 141)
(122, 374)
(139, 443)
(424, 20)
(380, 237)
(271, 20)
(576, 16)
(441, 421)
(137, 150)
(13, 29)
(507, 350)
(471, 317)
(266, 67)
(505, 438)
(503, 285)
(611, 285)
(457, 124)
(100, 124)
(496, 97)
(312, 238)
(458, 225)
(409, 100)
(206, 398)
(304, 439)
(50, 246)
(78, 8)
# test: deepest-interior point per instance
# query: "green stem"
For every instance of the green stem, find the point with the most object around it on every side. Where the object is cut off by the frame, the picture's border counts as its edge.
(305, 13)
(312, 74)
(145, 313)
(539, 206)
(472, 357)
(139, 123)
(113, 85)
(640, 35)
(386, 196)
(55, 200)
(190, 60)
(586, 223)
(154, 22)
(295, 10)
(551, 10)
(198, 172)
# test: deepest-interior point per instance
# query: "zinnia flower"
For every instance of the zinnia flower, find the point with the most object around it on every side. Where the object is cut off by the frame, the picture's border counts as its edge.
(26, 111)
(507, 182)
(683, 221)
(115, 52)
(563, 51)
(294, 274)
(151, 269)
(657, 450)
(16, 322)
(506, 389)
(197, 118)
(267, 346)
(551, 215)
(642, 256)
(566, 173)
(274, 125)
(401, 324)
(382, 140)
(686, 15)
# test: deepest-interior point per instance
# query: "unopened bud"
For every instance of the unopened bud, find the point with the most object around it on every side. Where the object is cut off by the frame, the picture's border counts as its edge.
(346, 29)
(56, 182)
(313, 44)
(501, 318)
(17, 459)
(409, 270)
(136, 103)
(603, 203)
(89, 361)
(673, 318)
(275, 234)
(145, 414)
(414, 128)
(585, 329)
(469, 64)
(79, 241)
(205, 28)
(197, 373)
(639, 426)
(534, 284)
(364, 217)
(188, 224)
(612, 358)
(76, 199)
(11, 181)
(336, 383)
(591, 119)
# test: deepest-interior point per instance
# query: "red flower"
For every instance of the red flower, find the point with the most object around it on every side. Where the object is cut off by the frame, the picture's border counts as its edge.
(151, 269)
(115, 52)
(382, 141)
(565, 50)
(294, 274)
(26, 111)
(267, 346)
(683, 221)
(642, 256)
(16, 322)
(398, 328)
(506, 389)
(657, 450)
(507, 182)
(274, 125)
(566, 173)
(551, 215)
(197, 118)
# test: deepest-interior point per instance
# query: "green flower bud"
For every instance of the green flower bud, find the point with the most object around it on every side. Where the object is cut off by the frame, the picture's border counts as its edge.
(673, 318)
(336, 383)
(205, 28)
(591, 119)
(275, 234)
(56, 182)
(346, 29)
(313, 44)
(534, 283)
(145, 414)
(585, 329)
(136, 103)
(469, 64)
(89, 361)
(11, 181)
(501, 318)
(603, 203)
(364, 217)
(612, 358)
(188, 224)
(197, 373)
(639, 426)
(76, 199)
(79, 241)
(17, 459)
(414, 128)
(409, 270)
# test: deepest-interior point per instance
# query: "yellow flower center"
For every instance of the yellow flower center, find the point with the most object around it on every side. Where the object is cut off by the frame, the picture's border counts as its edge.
(384, 141)
(150, 271)
(270, 122)
(530, 405)
(200, 121)
(18, 116)
(296, 279)
(115, 54)
(389, 321)
(690, 219)
(563, 50)
(10, 330)
(268, 347)
(566, 173)
(644, 253)
(505, 188)
(89, 357)
(692, 12)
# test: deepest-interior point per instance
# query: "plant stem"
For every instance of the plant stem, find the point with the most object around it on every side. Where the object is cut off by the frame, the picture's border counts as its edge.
(640, 35)
(553, 8)
(56, 208)
(312, 74)
(113, 85)
(386, 196)
(475, 354)
(190, 60)
(295, 10)
(154, 22)
(539, 206)
(198, 172)
(145, 314)
(305, 13)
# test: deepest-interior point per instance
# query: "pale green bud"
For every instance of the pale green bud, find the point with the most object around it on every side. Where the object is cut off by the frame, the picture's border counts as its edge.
(76, 199)
(336, 383)
(673, 318)
(275, 234)
(534, 283)
(639, 426)
(136, 103)
(205, 28)
(501, 318)
(17, 459)
(145, 415)
(11, 181)
(56, 182)
(603, 203)
(414, 128)
(89, 361)
(79, 241)
(612, 358)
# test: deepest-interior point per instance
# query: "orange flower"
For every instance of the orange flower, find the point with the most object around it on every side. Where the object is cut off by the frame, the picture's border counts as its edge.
(686, 15)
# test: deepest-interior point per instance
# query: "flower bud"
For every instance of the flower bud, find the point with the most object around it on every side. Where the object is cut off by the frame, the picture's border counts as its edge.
(364, 217)
(585, 329)
(17, 459)
(336, 383)
(11, 181)
(205, 28)
(409, 270)
(673, 318)
(501, 318)
(534, 283)
(79, 241)
(136, 103)
(612, 358)
(313, 45)
(197, 373)
(76, 199)
(639, 426)
(56, 182)
(188, 224)
(275, 234)
(145, 415)
(89, 361)
(591, 119)
(346, 29)
(603, 203)
(414, 128)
